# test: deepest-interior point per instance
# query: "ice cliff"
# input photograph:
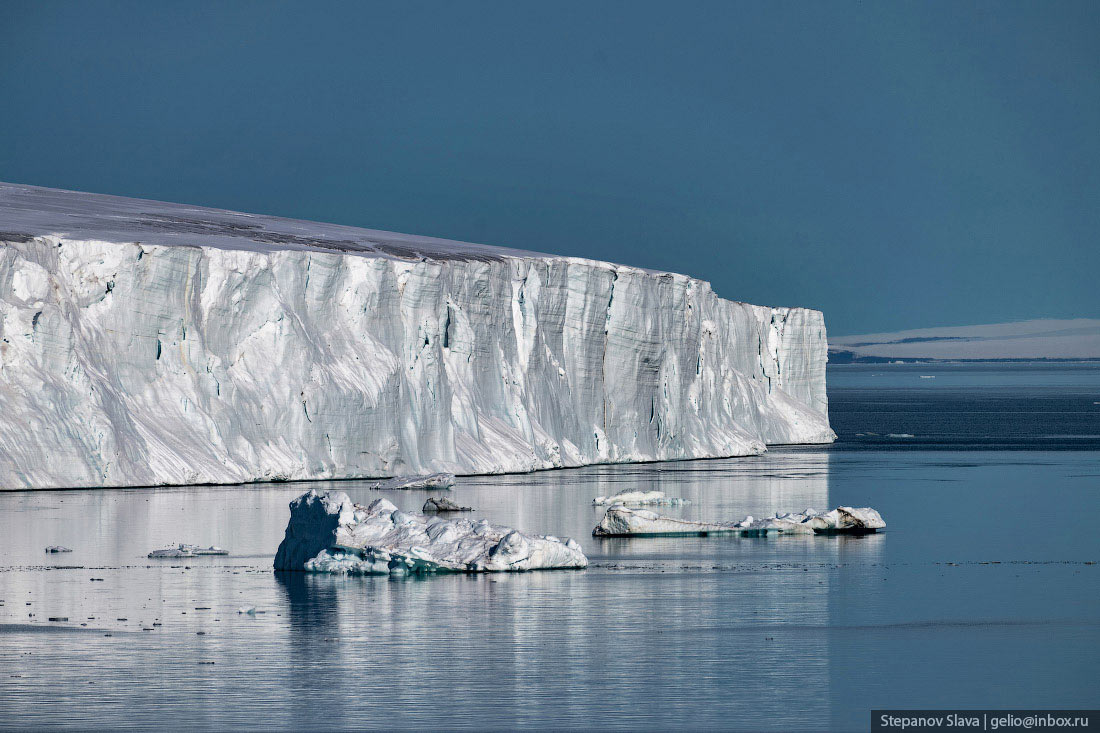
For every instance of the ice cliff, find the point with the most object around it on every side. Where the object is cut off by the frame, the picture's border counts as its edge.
(146, 343)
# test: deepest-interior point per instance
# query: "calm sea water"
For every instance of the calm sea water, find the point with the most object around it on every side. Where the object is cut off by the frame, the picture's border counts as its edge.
(982, 593)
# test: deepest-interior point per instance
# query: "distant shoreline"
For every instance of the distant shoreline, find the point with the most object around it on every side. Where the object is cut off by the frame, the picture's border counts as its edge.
(837, 358)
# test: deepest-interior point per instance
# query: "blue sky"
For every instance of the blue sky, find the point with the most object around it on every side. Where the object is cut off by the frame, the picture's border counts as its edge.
(898, 165)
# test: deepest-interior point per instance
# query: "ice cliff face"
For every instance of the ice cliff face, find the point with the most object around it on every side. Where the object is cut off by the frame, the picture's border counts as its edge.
(146, 343)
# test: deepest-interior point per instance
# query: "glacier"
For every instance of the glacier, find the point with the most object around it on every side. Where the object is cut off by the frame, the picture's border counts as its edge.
(622, 521)
(328, 533)
(145, 343)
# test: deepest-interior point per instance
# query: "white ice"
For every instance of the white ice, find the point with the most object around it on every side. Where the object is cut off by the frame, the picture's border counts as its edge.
(640, 498)
(621, 520)
(147, 343)
(433, 481)
(327, 533)
(188, 551)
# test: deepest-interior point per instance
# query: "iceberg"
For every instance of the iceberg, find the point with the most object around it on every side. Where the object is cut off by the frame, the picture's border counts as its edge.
(146, 343)
(441, 504)
(434, 481)
(622, 521)
(57, 548)
(327, 533)
(640, 498)
(188, 551)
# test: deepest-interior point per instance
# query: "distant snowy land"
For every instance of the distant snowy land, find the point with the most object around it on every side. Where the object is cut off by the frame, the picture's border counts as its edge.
(1075, 339)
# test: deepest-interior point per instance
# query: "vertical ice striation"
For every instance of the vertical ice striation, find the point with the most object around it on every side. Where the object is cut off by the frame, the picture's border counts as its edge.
(146, 343)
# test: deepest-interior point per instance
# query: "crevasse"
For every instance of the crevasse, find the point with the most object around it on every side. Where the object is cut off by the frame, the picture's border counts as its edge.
(146, 343)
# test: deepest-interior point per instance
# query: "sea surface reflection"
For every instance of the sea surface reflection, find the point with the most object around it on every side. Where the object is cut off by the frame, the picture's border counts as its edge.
(983, 592)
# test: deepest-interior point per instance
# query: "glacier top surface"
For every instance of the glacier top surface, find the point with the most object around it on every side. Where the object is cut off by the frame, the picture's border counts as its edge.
(31, 211)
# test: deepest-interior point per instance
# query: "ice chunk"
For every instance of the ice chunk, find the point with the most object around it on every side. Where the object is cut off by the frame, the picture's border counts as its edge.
(188, 551)
(621, 520)
(640, 498)
(57, 548)
(432, 481)
(441, 504)
(327, 533)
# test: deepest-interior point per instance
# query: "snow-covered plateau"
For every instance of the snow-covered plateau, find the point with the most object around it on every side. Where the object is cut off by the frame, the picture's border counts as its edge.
(621, 521)
(327, 533)
(144, 343)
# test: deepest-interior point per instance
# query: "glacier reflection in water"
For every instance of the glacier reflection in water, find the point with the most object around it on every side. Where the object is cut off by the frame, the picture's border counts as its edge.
(784, 632)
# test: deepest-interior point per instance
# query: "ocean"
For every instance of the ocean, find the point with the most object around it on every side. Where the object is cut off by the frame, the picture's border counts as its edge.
(983, 591)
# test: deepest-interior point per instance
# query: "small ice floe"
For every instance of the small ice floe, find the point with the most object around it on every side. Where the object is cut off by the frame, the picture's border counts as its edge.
(900, 435)
(624, 521)
(928, 376)
(440, 504)
(327, 533)
(431, 481)
(188, 551)
(248, 611)
(57, 548)
(640, 498)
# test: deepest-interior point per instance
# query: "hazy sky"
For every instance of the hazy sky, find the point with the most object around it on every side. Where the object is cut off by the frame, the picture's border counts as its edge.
(897, 165)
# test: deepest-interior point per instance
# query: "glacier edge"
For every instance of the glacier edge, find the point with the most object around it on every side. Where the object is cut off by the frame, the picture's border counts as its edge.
(136, 357)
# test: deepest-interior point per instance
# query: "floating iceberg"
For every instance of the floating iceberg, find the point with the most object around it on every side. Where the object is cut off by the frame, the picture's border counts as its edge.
(188, 551)
(57, 548)
(640, 498)
(440, 504)
(432, 481)
(148, 343)
(623, 521)
(327, 533)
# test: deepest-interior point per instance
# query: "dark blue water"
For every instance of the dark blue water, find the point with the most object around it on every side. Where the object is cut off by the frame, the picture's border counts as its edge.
(966, 406)
(982, 593)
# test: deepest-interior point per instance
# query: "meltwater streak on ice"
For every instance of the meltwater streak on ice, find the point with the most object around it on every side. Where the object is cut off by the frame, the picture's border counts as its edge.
(147, 343)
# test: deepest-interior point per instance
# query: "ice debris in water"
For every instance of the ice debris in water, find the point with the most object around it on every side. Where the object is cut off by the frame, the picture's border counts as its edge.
(188, 551)
(621, 520)
(638, 498)
(58, 548)
(441, 504)
(327, 533)
(431, 481)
